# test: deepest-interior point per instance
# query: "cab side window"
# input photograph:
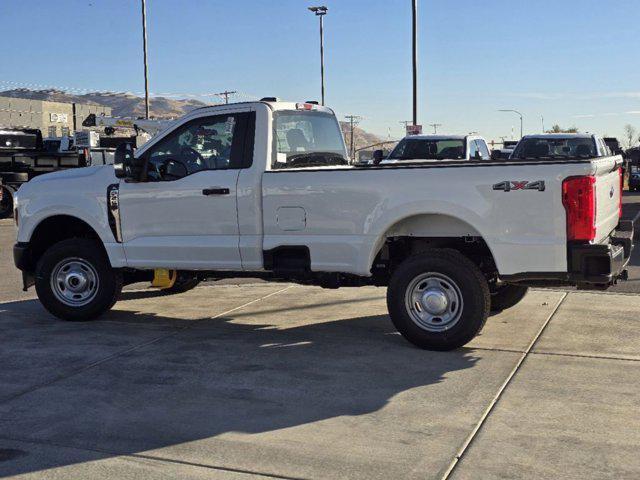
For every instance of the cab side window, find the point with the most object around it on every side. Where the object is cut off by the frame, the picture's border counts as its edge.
(209, 143)
(473, 149)
(484, 150)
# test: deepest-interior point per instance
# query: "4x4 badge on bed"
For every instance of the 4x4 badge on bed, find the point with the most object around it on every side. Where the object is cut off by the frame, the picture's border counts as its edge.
(509, 185)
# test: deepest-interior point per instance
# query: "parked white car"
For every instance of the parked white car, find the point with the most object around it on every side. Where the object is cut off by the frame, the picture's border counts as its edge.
(264, 189)
(415, 148)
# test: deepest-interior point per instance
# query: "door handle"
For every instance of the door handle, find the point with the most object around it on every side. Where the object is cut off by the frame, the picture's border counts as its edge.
(215, 191)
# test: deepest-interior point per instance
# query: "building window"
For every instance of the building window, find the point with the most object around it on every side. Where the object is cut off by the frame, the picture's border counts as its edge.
(52, 131)
(65, 131)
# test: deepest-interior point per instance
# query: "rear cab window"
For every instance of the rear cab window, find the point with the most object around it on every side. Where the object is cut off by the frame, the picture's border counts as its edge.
(305, 139)
(428, 149)
(539, 148)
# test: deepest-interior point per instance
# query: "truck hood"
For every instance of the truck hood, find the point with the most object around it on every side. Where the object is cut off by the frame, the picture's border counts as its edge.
(74, 173)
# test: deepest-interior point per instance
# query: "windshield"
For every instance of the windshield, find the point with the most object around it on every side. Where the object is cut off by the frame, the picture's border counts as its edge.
(428, 149)
(307, 139)
(529, 148)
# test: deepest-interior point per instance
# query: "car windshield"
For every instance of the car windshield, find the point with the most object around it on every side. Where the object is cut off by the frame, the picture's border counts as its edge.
(307, 139)
(428, 149)
(535, 148)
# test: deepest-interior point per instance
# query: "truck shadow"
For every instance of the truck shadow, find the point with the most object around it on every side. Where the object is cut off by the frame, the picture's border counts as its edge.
(194, 382)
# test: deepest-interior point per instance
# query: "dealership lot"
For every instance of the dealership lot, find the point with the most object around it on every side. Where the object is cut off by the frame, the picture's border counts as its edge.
(284, 381)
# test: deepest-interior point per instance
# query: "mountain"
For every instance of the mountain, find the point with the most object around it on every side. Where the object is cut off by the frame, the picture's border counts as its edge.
(130, 105)
(122, 104)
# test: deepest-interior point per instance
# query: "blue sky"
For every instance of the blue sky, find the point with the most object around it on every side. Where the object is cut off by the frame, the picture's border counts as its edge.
(575, 62)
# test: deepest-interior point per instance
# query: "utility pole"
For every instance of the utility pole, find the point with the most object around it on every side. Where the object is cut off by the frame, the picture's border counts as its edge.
(435, 127)
(321, 12)
(414, 43)
(226, 94)
(542, 119)
(353, 121)
(405, 123)
(144, 48)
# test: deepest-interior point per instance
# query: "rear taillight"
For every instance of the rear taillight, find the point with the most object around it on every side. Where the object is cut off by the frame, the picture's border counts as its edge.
(579, 200)
(621, 190)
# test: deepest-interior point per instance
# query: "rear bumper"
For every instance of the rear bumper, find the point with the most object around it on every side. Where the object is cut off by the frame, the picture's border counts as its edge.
(590, 266)
(603, 264)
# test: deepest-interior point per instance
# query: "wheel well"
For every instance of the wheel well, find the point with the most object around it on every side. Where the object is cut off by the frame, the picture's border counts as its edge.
(397, 249)
(55, 229)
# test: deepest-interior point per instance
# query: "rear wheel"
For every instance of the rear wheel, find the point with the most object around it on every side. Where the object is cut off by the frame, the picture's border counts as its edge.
(75, 282)
(507, 296)
(438, 300)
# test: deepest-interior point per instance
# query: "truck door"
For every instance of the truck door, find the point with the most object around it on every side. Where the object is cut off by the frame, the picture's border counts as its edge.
(183, 214)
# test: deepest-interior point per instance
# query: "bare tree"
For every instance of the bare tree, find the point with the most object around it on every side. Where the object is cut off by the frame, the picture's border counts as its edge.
(630, 135)
(558, 129)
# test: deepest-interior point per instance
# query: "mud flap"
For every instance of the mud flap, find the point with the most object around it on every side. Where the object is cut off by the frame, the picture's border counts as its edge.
(28, 280)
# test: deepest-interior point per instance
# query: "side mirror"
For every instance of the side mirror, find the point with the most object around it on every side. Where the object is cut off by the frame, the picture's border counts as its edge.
(378, 156)
(123, 161)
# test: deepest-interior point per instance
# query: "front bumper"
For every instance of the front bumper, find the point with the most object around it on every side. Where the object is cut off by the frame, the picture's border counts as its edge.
(22, 256)
(22, 260)
(602, 265)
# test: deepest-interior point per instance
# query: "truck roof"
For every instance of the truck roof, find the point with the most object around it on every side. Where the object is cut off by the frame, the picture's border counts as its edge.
(442, 137)
(273, 104)
(560, 135)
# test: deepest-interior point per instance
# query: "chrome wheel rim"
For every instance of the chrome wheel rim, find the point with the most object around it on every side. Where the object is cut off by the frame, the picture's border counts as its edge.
(74, 282)
(434, 302)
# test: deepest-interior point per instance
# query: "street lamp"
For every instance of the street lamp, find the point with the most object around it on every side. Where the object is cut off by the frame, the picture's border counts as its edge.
(521, 121)
(144, 48)
(414, 52)
(321, 12)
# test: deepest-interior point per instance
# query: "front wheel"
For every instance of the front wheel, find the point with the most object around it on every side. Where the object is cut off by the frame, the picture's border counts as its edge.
(438, 300)
(74, 280)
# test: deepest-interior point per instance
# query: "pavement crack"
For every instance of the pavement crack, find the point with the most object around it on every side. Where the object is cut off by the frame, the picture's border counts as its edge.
(476, 429)
(583, 355)
(133, 348)
(149, 457)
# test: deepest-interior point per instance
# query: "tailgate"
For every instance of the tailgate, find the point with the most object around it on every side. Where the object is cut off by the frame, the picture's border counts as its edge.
(608, 197)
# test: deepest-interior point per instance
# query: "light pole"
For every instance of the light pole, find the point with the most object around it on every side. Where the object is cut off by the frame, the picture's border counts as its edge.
(321, 12)
(414, 47)
(542, 119)
(144, 48)
(521, 120)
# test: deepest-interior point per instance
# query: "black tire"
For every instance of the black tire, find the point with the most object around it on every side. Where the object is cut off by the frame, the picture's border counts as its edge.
(6, 205)
(464, 275)
(507, 296)
(183, 283)
(89, 253)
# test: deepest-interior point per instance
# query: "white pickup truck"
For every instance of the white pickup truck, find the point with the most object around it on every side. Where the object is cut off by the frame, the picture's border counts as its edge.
(265, 189)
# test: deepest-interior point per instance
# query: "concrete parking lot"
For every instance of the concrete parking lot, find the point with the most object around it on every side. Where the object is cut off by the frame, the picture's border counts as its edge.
(283, 381)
